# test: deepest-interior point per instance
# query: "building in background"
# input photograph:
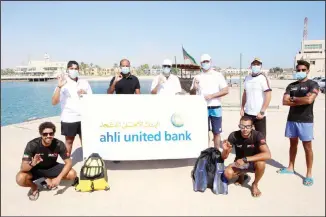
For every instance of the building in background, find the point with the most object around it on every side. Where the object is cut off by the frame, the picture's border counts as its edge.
(42, 67)
(313, 51)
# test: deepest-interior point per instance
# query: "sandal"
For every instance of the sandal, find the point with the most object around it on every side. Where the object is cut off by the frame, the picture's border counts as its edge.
(285, 171)
(32, 196)
(245, 178)
(308, 181)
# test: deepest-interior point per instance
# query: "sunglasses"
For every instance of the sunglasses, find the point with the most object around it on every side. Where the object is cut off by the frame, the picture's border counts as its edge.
(166, 66)
(46, 134)
(301, 70)
(241, 126)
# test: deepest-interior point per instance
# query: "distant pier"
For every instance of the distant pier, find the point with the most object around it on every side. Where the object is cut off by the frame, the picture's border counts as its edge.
(30, 78)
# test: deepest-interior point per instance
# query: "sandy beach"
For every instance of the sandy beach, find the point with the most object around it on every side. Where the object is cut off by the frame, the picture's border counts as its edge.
(164, 187)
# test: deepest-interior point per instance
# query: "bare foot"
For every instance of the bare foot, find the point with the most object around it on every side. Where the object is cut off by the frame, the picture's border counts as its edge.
(255, 191)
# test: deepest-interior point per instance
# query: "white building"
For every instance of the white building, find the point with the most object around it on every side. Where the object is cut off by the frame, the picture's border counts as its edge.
(313, 51)
(42, 67)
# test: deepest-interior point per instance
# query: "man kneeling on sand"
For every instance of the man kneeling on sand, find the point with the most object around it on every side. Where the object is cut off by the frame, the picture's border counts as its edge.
(251, 153)
(40, 161)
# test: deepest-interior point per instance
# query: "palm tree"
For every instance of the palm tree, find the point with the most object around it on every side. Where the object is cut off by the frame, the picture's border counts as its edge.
(98, 68)
(82, 68)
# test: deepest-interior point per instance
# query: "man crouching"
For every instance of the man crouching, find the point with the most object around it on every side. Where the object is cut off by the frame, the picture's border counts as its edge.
(40, 161)
(251, 153)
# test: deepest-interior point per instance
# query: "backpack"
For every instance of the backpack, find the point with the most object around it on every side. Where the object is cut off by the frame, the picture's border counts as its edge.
(93, 175)
(212, 156)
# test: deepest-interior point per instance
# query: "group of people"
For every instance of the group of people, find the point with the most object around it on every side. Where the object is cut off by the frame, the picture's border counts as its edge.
(251, 150)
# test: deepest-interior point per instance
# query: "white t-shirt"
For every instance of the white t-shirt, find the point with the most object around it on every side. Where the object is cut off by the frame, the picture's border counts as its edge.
(209, 83)
(171, 86)
(70, 100)
(255, 93)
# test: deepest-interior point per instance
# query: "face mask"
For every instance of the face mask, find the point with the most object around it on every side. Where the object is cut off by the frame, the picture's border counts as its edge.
(300, 75)
(125, 70)
(206, 66)
(73, 73)
(255, 69)
(166, 71)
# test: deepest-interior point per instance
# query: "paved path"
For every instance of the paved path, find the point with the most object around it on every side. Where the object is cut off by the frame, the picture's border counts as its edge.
(165, 187)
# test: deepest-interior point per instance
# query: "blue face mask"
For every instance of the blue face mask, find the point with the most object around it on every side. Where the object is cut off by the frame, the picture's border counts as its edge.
(255, 69)
(125, 70)
(300, 75)
(206, 66)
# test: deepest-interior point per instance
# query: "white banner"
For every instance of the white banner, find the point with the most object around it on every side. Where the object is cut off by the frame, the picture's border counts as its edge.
(144, 127)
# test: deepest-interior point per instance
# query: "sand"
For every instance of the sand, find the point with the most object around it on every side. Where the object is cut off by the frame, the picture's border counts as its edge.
(164, 187)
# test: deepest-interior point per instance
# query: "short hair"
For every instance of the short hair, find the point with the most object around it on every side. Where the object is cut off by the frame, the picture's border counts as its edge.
(46, 125)
(124, 60)
(72, 62)
(246, 118)
(303, 62)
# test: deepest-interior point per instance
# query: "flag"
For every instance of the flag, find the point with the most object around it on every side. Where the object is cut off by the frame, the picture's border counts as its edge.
(187, 56)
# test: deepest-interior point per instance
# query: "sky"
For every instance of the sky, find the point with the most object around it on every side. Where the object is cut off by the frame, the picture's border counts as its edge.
(103, 33)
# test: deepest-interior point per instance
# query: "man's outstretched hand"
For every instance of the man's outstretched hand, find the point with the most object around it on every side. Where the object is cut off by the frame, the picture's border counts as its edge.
(226, 145)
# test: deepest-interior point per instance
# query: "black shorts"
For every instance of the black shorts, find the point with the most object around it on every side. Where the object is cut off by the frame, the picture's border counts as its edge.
(48, 173)
(71, 129)
(260, 125)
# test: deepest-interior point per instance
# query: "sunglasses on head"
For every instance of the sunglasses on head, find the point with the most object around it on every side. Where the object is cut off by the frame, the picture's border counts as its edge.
(241, 126)
(46, 134)
(301, 70)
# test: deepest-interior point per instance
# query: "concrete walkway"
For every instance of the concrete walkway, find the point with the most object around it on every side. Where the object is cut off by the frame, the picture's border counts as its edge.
(165, 187)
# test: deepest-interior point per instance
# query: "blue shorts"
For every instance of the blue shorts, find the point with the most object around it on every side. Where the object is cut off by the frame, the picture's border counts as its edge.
(216, 123)
(303, 131)
(215, 119)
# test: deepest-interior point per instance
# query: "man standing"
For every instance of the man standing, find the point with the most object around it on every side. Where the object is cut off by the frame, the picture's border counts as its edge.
(300, 96)
(40, 161)
(68, 93)
(166, 83)
(212, 86)
(251, 152)
(256, 96)
(125, 82)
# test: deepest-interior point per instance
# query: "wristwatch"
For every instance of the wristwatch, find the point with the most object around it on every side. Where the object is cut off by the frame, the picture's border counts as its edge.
(245, 160)
(262, 113)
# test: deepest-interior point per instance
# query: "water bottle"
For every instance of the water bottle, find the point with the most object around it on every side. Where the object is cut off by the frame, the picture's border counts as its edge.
(220, 184)
(200, 183)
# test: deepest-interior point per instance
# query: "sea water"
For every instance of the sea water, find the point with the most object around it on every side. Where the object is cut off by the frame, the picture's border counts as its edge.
(24, 101)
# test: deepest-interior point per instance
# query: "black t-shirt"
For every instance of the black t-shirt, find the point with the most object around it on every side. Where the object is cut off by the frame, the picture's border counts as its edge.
(48, 154)
(246, 147)
(302, 113)
(127, 85)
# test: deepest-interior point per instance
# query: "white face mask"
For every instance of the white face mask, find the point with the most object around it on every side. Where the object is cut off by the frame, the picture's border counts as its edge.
(73, 73)
(166, 71)
(255, 69)
(206, 66)
(125, 70)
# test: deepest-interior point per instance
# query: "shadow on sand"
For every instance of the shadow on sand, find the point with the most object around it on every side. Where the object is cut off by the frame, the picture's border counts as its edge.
(77, 156)
(278, 165)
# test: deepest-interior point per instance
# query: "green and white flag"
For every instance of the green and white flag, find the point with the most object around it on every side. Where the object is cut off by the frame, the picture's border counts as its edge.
(187, 56)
